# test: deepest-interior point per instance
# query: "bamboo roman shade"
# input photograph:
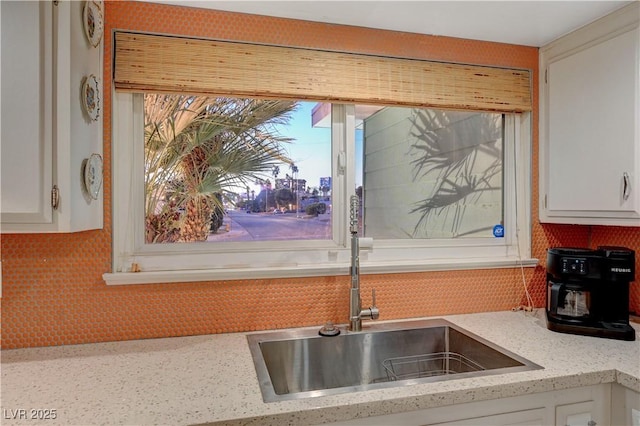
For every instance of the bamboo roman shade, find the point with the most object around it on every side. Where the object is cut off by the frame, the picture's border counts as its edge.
(167, 64)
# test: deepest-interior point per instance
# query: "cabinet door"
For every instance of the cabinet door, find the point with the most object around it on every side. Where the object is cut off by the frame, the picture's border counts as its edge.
(26, 111)
(473, 414)
(625, 406)
(45, 133)
(580, 414)
(592, 111)
(590, 124)
(534, 417)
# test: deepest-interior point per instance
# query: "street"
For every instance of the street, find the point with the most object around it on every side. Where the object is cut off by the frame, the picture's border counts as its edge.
(244, 226)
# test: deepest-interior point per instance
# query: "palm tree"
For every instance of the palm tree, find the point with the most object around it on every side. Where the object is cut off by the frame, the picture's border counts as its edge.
(267, 187)
(275, 171)
(196, 150)
(294, 171)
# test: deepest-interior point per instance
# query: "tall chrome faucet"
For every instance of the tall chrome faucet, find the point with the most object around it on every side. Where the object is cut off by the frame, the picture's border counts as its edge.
(356, 313)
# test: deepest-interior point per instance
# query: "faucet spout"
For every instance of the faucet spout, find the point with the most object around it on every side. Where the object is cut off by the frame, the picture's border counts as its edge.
(356, 313)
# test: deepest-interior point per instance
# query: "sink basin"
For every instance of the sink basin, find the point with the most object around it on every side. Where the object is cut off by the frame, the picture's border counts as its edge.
(296, 364)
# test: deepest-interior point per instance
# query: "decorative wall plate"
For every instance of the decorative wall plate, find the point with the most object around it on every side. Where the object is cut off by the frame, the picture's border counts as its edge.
(92, 174)
(91, 97)
(93, 21)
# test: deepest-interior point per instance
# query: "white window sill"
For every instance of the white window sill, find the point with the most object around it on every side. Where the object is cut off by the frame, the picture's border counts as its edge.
(154, 277)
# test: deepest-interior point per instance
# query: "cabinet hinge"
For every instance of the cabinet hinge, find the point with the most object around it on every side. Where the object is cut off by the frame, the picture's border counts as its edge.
(545, 201)
(546, 73)
(55, 197)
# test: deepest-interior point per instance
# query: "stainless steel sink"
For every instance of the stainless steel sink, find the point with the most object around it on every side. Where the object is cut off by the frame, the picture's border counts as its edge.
(300, 363)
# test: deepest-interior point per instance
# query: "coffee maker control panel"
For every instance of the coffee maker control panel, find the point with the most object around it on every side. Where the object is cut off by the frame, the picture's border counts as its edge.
(574, 265)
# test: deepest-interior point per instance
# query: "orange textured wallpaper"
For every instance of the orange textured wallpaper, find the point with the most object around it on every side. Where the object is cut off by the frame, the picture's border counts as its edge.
(53, 293)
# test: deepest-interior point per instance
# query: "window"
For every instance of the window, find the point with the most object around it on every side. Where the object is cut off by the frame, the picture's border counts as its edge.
(443, 176)
(431, 174)
(439, 189)
(220, 169)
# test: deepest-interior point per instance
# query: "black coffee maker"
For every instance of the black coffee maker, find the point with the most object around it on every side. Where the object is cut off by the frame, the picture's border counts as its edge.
(588, 291)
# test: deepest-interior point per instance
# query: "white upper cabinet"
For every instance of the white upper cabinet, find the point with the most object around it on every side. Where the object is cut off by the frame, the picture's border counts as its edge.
(27, 111)
(46, 134)
(590, 124)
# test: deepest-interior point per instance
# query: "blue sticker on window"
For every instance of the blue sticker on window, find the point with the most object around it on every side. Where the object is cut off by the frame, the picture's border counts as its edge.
(498, 231)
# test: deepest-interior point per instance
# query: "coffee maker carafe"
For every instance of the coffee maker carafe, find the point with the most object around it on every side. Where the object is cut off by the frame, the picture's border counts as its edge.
(588, 291)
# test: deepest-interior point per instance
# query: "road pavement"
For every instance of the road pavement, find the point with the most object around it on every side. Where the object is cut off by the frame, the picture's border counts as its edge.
(241, 226)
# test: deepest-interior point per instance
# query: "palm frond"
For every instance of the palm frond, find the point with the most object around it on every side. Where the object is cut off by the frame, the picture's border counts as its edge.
(209, 145)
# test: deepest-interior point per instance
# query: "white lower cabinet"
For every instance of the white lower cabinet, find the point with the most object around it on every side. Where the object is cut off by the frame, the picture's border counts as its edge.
(580, 413)
(535, 417)
(625, 406)
(586, 406)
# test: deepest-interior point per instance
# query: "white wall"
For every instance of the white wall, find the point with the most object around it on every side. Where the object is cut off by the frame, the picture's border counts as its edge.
(462, 146)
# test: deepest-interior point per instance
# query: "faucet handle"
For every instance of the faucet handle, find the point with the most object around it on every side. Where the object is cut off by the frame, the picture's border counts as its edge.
(375, 312)
(371, 313)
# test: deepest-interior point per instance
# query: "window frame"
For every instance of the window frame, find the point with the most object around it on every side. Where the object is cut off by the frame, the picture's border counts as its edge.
(184, 262)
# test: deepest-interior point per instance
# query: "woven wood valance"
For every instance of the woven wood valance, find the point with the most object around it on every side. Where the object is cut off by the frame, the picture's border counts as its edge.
(167, 64)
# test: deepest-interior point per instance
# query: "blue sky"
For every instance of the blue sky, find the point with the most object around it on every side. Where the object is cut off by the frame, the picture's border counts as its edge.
(311, 149)
(311, 152)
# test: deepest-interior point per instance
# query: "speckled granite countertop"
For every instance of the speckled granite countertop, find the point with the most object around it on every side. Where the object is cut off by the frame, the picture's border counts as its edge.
(209, 379)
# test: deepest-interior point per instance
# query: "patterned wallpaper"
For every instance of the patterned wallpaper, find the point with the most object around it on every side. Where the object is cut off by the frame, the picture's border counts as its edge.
(53, 293)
